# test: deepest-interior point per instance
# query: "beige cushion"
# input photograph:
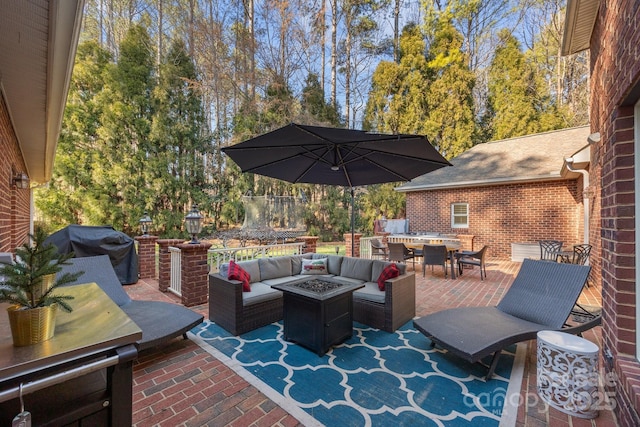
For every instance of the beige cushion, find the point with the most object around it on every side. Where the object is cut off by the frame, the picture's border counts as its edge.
(271, 268)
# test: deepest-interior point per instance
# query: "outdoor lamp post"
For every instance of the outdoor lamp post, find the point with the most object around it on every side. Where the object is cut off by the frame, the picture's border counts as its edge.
(193, 222)
(145, 223)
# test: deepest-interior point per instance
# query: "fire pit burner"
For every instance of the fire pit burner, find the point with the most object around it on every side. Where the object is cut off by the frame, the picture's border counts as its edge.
(318, 286)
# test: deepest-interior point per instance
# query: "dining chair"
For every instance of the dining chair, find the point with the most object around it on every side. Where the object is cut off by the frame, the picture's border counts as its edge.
(434, 255)
(400, 253)
(550, 249)
(581, 254)
(378, 249)
(473, 258)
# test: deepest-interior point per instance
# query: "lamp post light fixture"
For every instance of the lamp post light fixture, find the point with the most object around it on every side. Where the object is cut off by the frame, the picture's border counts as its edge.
(20, 180)
(193, 223)
(145, 223)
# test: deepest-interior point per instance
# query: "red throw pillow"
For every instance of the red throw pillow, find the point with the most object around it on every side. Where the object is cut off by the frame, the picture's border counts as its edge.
(389, 272)
(238, 273)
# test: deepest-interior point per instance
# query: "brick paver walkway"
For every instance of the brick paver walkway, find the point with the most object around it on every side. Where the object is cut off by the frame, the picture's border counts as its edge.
(182, 385)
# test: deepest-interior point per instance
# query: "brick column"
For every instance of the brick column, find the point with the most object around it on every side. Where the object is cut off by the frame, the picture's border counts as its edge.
(146, 256)
(310, 243)
(164, 273)
(356, 244)
(195, 273)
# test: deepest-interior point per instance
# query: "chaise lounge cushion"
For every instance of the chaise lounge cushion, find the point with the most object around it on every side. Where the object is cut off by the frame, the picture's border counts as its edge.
(159, 321)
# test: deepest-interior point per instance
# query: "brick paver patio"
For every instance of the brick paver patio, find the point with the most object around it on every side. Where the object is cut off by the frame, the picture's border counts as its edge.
(182, 385)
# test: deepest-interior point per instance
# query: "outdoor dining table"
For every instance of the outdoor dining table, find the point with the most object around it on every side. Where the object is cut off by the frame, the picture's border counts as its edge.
(452, 247)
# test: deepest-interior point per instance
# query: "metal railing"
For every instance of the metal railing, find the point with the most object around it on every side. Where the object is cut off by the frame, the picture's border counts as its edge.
(216, 257)
(365, 247)
(175, 278)
(426, 239)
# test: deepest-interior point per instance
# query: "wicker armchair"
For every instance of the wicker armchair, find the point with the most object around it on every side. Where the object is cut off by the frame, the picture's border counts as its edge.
(227, 310)
(399, 305)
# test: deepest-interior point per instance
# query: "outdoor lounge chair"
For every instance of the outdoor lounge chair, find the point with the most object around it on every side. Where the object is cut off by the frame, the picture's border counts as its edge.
(159, 321)
(541, 297)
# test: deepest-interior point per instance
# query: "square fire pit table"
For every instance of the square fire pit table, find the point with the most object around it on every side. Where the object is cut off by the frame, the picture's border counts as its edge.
(318, 314)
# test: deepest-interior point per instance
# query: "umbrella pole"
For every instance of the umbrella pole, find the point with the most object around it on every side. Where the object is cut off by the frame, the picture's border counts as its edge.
(353, 223)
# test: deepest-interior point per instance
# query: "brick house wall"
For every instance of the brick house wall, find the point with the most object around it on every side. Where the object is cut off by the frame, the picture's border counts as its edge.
(615, 85)
(15, 203)
(503, 214)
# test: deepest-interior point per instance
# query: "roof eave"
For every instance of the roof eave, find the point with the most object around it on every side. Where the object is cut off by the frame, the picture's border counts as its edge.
(65, 23)
(578, 25)
(483, 183)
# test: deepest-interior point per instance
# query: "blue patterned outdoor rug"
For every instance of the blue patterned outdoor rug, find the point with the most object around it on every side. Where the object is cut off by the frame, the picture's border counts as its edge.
(373, 379)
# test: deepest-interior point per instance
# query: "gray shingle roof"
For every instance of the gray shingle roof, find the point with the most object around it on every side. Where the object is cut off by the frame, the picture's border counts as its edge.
(537, 157)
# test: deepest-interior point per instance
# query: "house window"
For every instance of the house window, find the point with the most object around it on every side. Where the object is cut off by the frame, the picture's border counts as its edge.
(460, 215)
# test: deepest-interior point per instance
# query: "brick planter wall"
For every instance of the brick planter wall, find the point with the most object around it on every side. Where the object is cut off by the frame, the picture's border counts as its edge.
(15, 203)
(195, 273)
(615, 88)
(146, 256)
(310, 243)
(356, 244)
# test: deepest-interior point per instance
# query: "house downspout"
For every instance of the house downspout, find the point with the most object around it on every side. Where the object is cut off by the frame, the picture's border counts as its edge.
(568, 162)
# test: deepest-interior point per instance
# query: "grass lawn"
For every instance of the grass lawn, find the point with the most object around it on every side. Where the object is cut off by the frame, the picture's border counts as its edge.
(329, 248)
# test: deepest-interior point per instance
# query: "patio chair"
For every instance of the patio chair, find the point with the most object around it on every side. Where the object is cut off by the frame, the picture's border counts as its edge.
(581, 254)
(400, 253)
(541, 297)
(378, 249)
(434, 255)
(550, 249)
(159, 321)
(472, 258)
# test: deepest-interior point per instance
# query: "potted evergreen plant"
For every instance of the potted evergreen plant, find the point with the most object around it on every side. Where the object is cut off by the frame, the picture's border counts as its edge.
(30, 286)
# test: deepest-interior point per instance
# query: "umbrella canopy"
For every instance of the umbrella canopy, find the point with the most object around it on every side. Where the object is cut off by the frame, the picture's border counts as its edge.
(333, 156)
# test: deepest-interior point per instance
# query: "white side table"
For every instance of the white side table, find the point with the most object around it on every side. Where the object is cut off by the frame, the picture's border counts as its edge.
(568, 373)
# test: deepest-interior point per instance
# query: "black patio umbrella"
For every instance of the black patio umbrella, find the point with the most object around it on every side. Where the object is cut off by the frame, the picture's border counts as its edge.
(333, 156)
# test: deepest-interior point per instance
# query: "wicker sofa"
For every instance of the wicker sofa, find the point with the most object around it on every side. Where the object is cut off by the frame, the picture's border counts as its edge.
(239, 312)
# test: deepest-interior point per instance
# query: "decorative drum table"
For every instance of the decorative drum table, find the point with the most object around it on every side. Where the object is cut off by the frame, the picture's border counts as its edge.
(568, 373)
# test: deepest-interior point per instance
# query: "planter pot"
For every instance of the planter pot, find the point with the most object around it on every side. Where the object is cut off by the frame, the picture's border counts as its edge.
(44, 285)
(31, 326)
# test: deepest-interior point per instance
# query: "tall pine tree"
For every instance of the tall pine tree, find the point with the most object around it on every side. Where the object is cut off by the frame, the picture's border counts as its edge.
(174, 165)
(451, 124)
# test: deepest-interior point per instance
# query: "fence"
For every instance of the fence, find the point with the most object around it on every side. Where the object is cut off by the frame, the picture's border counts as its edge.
(175, 279)
(216, 257)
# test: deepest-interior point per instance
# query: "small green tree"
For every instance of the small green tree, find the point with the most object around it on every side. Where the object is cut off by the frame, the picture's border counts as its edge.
(22, 280)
